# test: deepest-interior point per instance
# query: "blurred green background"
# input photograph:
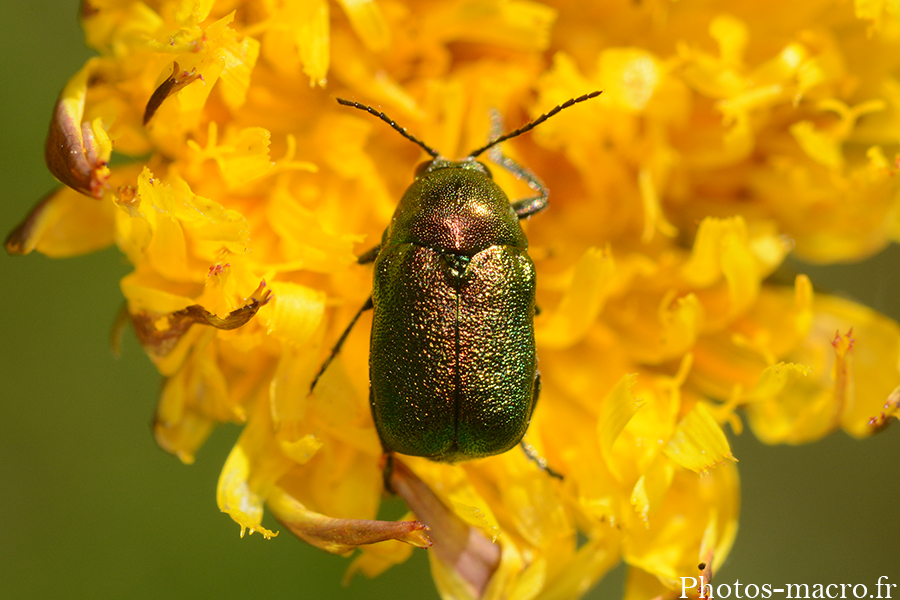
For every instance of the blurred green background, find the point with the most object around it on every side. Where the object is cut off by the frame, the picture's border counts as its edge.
(91, 508)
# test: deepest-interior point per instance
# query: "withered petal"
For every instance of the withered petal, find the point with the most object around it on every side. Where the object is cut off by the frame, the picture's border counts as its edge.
(462, 548)
(158, 334)
(176, 81)
(87, 9)
(63, 223)
(340, 536)
(21, 239)
(891, 409)
(72, 152)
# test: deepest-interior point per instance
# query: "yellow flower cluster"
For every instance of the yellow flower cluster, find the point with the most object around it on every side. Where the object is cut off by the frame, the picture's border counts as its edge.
(729, 134)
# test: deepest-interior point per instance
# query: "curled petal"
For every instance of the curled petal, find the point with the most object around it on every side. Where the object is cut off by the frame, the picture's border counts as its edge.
(177, 80)
(76, 152)
(340, 536)
(159, 334)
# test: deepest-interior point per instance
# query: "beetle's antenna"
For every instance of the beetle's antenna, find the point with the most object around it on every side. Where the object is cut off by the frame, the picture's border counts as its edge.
(401, 130)
(535, 123)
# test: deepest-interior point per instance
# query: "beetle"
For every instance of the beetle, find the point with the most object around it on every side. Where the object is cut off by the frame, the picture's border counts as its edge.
(452, 363)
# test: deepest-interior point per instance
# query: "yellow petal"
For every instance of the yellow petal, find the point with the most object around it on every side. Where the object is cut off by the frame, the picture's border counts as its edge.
(186, 432)
(651, 488)
(850, 377)
(191, 12)
(302, 450)
(654, 220)
(375, 559)
(617, 409)
(289, 390)
(65, 223)
(820, 146)
(312, 37)
(732, 36)
(591, 562)
(640, 585)
(518, 24)
(667, 334)
(244, 156)
(368, 22)
(878, 12)
(698, 443)
(629, 77)
(118, 24)
(249, 474)
(581, 303)
(193, 399)
(230, 61)
(698, 517)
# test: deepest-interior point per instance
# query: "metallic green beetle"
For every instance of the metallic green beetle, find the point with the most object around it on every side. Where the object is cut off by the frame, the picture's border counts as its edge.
(452, 364)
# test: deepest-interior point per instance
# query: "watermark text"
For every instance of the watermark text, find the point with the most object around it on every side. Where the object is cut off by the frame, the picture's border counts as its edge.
(882, 590)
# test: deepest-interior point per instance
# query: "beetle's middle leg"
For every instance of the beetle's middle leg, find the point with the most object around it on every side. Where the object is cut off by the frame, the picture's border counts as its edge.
(529, 450)
(525, 207)
(365, 258)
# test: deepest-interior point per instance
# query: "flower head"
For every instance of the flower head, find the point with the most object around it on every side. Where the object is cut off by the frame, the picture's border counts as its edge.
(724, 139)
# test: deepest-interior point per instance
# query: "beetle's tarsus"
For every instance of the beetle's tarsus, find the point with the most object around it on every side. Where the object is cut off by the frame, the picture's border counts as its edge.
(340, 342)
(369, 255)
(526, 207)
(539, 460)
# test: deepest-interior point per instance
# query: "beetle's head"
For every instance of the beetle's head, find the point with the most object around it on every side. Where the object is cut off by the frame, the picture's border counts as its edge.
(468, 163)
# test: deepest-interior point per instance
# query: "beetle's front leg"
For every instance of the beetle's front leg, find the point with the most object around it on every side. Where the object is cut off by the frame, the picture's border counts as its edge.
(539, 460)
(366, 257)
(525, 207)
(340, 342)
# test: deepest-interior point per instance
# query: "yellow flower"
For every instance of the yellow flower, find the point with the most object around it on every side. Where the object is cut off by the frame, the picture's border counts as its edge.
(727, 136)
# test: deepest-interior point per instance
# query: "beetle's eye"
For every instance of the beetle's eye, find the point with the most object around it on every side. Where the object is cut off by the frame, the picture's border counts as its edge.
(422, 167)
